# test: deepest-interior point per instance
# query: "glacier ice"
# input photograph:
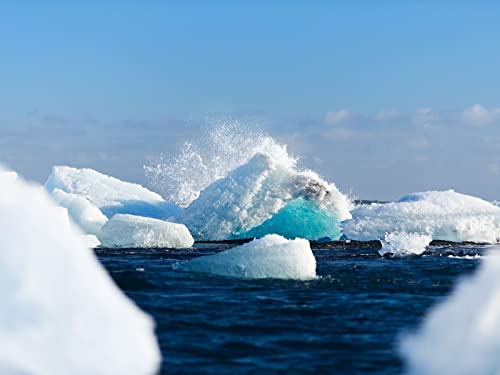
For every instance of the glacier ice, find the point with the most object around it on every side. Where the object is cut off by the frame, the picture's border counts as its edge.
(136, 231)
(443, 215)
(254, 192)
(111, 195)
(272, 256)
(300, 218)
(402, 244)
(61, 312)
(462, 334)
(88, 217)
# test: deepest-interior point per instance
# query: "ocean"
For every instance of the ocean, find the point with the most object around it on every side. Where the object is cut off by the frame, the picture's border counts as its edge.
(346, 321)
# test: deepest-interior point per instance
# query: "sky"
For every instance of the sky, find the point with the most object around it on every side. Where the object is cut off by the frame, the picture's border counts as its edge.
(383, 98)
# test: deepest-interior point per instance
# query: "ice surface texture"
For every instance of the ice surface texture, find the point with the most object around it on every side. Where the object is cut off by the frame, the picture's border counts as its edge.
(462, 334)
(137, 231)
(443, 215)
(254, 192)
(61, 313)
(85, 192)
(88, 217)
(109, 194)
(269, 257)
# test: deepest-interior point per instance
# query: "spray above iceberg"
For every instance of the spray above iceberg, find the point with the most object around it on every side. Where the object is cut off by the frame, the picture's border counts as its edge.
(252, 194)
(443, 215)
(236, 182)
(269, 257)
(61, 313)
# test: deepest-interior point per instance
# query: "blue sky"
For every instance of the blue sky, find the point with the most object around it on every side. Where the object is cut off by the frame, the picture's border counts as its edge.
(377, 96)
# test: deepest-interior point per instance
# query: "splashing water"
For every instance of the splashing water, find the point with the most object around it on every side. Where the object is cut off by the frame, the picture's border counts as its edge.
(228, 145)
(403, 244)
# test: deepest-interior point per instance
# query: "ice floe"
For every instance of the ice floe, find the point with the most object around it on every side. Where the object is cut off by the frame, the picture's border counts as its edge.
(443, 215)
(143, 232)
(272, 256)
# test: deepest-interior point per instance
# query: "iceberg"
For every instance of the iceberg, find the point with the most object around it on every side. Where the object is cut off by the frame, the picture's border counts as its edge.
(61, 312)
(88, 217)
(462, 334)
(269, 257)
(443, 215)
(403, 244)
(256, 191)
(124, 231)
(111, 195)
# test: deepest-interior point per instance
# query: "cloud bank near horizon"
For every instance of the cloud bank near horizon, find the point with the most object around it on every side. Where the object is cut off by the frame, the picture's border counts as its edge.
(382, 155)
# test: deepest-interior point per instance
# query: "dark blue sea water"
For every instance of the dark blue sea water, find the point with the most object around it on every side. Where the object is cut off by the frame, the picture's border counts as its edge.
(346, 322)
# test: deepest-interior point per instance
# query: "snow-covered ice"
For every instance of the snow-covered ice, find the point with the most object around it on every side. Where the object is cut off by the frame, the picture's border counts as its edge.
(254, 192)
(109, 194)
(443, 215)
(61, 312)
(136, 231)
(88, 217)
(403, 244)
(269, 257)
(462, 334)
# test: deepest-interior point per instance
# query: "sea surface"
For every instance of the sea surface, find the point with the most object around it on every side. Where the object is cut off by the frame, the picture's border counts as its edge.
(347, 321)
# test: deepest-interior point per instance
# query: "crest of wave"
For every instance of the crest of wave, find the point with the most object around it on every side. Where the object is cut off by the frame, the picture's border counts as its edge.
(219, 150)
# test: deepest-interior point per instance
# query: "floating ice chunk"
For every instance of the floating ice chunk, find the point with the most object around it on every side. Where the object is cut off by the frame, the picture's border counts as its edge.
(402, 244)
(61, 313)
(462, 334)
(254, 192)
(444, 215)
(109, 194)
(88, 217)
(136, 231)
(269, 257)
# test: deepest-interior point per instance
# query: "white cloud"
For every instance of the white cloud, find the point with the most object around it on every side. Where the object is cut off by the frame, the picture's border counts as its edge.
(387, 115)
(425, 117)
(477, 115)
(337, 117)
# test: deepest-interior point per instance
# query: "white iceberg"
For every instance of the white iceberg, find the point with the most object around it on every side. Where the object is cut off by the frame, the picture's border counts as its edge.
(251, 194)
(462, 334)
(61, 312)
(443, 215)
(135, 231)
(109, 194)
(269, 257)
(403, 244)
(88, 217)
(91, 241)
